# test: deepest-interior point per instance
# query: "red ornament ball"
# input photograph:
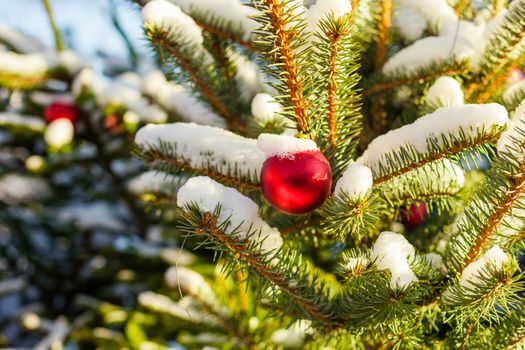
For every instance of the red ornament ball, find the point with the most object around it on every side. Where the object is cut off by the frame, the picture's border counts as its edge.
(59, 110)
(415, 215)
(297, 183)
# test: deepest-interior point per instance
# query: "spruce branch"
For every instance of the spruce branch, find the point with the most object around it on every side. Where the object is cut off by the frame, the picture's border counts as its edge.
(225, 35)
(195, 70)
(285, 43)
(506, 46)
(58, 40)
(445, 146)
(305, 296)
(383, 83)
(166, 158)
(339, 111)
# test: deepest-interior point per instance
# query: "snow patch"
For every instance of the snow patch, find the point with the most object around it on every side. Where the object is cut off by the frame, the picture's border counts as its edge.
(391, 251)
(284, 146)
(356, 181)
(445, 92)
(241, 212)
(471, 275)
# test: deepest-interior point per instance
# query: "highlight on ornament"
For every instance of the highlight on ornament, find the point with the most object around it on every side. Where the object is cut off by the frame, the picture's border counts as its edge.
(262, 174)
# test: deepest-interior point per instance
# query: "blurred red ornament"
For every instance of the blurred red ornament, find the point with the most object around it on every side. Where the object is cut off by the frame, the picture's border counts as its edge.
(515, 75)
(297, 183)
(415, 215)
(60, 110)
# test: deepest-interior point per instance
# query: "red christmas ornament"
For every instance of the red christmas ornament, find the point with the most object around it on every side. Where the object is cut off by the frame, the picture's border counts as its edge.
(515, 75)
(59, 110)
(297, 183)
(415, 215)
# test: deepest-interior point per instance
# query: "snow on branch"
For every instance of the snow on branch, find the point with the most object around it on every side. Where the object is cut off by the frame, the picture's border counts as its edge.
(429, 50)
(512, 140)
(27, 70)
(179, 27)
(429, 133)
(229, 19)
(178, 99)
(19, 41)
(240, 213)
(445, 92)
(391, 251)
(204, 149)
(356, 181)
(33, 123)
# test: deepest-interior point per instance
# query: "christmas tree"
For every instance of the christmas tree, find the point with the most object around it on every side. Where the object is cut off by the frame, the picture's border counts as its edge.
(348, 174)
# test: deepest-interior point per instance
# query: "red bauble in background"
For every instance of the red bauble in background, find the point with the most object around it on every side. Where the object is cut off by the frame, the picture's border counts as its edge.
(415, 215)
(296, 183)
(60, 110)
(515, 76)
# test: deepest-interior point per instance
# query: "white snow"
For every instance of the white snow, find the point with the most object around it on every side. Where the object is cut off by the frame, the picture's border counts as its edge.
(184, 308)
(429, 50)
(511, 137)
(92, 215)
(467, 30)
(284, 146)
(241, 212)
(30, 122)
(21, 42)
(353, 263)
(491, 29)
(233, 12)
(446, 120)
(86, 81)
(35, 64)
(514, 90)
(248, 77)
(409, 22)
(168, 17)
(190, 281)
(201, 145)
(445, 92)
(59, 133)
(391, 252)
(265, 109)
(356, 181)
(22, 188)
(46, 98)
(471, 275)
(436, 261)
(437, 13)
(116, 93)
(322, 9)
(293, 336)
(177, 98)
(155, 181)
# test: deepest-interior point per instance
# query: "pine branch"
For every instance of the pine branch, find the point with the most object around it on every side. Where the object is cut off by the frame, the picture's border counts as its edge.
(381, 84)
(314, 306)
(382, 37)
(175, 163)
(283, 52)
(58, 40)
(506, 46)
(229, 36)
(502, 208)
(411, 160)
(160, 40)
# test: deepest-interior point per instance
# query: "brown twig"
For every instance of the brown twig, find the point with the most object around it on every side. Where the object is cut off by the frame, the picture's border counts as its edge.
(242, 185)
(283, 40)
(265, 270)
(226, 36)
(446, 153)
(495, 218)
(206, 91)
(387, 85)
